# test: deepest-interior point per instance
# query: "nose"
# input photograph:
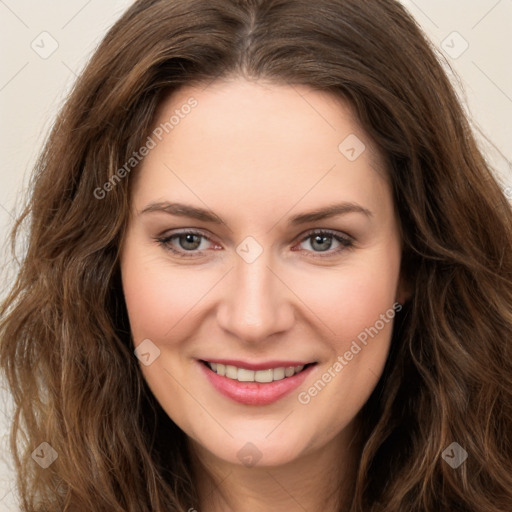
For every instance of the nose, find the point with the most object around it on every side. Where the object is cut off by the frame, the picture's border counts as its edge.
(256, 303)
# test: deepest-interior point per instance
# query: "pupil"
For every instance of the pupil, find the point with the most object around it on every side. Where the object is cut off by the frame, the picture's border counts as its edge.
(187, 242)
(321, 240)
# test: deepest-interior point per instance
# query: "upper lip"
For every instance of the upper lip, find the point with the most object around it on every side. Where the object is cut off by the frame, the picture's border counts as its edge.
(264, 365)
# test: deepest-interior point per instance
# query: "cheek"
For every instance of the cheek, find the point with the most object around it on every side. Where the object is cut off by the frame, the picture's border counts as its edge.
(352, 298)
(358, 308)
(160, 299)
(159, 296)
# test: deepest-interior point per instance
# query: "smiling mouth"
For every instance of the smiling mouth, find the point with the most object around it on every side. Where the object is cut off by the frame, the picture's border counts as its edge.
(262, 376)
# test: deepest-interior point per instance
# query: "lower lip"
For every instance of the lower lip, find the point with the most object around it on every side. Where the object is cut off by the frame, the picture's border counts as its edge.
(255, 393)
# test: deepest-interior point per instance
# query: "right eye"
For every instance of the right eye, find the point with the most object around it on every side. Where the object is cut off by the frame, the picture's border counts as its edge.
(183, 242)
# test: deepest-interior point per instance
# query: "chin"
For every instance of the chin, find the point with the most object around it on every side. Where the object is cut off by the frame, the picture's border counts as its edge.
(263, 448)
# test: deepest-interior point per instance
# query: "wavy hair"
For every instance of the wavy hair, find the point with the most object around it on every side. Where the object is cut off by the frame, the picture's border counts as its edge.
(66, 348)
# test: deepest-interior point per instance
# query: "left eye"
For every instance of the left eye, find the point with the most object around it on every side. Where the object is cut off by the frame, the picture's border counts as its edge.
(322, 241)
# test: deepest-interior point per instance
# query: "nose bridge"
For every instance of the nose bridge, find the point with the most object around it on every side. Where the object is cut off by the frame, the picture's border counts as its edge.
(255, 305)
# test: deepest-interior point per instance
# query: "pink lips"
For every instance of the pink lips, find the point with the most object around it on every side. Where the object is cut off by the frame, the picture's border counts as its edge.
(258, 366)
(255, 393)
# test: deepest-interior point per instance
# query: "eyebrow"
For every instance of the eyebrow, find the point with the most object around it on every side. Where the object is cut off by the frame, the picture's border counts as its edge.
(202, 214)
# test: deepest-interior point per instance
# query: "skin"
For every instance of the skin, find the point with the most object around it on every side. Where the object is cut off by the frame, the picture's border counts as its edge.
(256, 154)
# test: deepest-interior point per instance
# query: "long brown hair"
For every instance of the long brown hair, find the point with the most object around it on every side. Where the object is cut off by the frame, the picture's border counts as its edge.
(65, 341)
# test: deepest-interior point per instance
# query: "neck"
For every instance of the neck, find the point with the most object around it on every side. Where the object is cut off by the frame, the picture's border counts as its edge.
(319, 480)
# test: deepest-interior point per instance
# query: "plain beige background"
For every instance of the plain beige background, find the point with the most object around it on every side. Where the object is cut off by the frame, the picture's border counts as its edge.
(45, 44)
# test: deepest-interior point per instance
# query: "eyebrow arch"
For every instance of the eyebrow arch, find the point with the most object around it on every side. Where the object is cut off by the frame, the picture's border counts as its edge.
(329, 211)
(184, 210)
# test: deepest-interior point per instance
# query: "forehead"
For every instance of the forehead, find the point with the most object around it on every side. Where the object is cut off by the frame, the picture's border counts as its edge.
(262, 112)
(256, 142)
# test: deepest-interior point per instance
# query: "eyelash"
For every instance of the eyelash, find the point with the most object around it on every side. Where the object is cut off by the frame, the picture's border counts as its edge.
(345, 241)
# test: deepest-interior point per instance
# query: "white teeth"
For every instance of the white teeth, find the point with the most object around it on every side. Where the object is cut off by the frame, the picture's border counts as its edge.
(231, 372)
(262, 375)
(245, 375)
(279, 373)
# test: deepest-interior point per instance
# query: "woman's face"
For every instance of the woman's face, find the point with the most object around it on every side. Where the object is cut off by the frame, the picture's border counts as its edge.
(293, 260)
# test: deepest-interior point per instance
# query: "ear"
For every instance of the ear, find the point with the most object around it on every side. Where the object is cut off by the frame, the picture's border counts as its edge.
(403, 290)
